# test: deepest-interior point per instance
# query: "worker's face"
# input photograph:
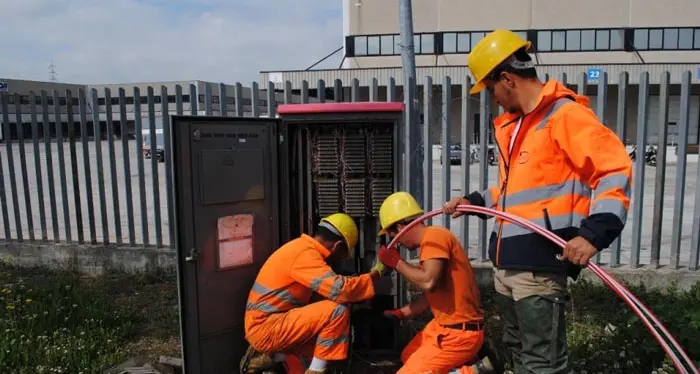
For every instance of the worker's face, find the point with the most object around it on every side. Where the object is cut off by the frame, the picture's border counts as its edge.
(408, 239)
(338, 252)
(503, 91)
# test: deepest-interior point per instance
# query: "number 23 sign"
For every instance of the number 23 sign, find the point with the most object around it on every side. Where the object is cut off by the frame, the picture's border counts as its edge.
(594, 74)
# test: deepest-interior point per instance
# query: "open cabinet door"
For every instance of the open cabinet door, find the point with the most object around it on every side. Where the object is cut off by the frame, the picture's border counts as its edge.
(226, 195)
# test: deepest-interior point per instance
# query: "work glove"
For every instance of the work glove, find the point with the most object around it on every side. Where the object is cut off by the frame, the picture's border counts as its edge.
(395, 314)
(379, 267)
(389, 256)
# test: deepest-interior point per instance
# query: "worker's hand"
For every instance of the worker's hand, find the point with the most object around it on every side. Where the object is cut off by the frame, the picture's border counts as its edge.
(450, 207)
(396, 314)
(389, 257)
(578, 250)
(379, 268)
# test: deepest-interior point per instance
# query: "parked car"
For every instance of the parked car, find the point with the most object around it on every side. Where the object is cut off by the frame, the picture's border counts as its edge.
(147, 144)
(455, 155)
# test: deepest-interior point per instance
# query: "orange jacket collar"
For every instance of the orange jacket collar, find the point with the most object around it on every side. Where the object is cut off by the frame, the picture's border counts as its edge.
(325, 252)
(551, 91)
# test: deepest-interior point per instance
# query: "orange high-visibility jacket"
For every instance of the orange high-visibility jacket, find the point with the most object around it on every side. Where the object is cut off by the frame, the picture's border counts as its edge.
(293, 272)
(566, 172)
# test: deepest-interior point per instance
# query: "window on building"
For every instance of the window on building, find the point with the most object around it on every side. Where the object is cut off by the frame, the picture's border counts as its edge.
(544, 41)
(463, 42)
(573, 40)
(558, 40)
(387, 44)
(641, 39)
(602, 40)
(685, 39)
(587, 40)
(671, 39)
(449, 42)
(476, 37)
(427, 43)
(697, 39)
(373, 45)
(617, 40)
(360, 46)
(416, 44)
(656, 39)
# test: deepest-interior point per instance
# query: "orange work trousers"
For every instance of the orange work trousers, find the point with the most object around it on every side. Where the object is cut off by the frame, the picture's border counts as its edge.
(438, 349)
(316, 330)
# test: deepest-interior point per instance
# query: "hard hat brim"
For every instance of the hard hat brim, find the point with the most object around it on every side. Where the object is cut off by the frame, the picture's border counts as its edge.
(479, 86)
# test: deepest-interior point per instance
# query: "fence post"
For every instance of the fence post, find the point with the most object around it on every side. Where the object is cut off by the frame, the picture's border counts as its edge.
(255, 99)
(659, 193)
(467, 136)
(446, 143)
(82, 102)
(11, 166)
(167, 139)
(271, 100)
(355, 90)
(602, 101)
(391, 90)
(238, 99)
(428, 145)
(113, 167)
(638, 185)
(25, 180)
(37, 166)
(681, 170)
(100, 166)
(223, 108)
(304, 91)
(140, 164)
(127, 165)
(374, 90)
(621, 133)
(321, 91)
(154, 160)
(208, 102)
(484, 113)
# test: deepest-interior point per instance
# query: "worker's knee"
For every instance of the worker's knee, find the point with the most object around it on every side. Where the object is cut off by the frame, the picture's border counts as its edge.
(340, 314)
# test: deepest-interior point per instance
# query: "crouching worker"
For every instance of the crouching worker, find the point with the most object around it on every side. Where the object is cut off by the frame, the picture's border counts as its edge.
(455, 335)
(281, 325)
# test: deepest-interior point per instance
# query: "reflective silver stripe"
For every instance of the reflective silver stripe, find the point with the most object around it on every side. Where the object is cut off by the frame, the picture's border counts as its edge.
(330, 227)
(610, 206)
(283, 294)
(262, 306)
(570, 187)
(329, 342)
(557, 104)
(316, 282)
(614, 181)
(488, 198)
(558, 222)
(336, 288)
(338, 311)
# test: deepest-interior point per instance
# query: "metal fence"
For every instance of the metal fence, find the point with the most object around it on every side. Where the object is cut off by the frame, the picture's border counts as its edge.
(58, 201)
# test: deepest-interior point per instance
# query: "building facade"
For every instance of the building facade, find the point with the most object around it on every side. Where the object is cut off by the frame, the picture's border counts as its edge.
(597, 39)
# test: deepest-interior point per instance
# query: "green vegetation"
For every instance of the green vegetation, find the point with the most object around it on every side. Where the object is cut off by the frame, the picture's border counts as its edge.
(64, 322)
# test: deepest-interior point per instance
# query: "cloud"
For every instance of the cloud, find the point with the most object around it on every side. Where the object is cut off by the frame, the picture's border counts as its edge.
(119, 41)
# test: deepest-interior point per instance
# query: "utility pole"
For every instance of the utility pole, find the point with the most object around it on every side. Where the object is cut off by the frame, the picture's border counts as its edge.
(413, 141)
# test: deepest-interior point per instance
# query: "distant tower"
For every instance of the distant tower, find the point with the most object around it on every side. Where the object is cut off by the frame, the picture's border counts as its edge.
(52, 72)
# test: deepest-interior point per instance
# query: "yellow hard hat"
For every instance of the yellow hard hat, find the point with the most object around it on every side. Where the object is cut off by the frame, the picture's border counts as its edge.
(397, 207)
(490, 52)
(347, 228)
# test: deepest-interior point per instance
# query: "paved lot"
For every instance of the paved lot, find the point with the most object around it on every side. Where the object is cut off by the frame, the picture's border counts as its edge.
(148, 207)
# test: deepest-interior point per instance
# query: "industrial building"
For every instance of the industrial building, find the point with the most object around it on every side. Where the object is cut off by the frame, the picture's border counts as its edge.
(574, 39)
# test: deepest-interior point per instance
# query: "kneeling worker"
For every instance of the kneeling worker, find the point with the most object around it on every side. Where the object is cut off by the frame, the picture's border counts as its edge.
(455, 335)
(281, 325)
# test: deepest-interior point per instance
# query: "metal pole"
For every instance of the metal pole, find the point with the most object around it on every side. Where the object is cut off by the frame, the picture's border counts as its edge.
(413, 150)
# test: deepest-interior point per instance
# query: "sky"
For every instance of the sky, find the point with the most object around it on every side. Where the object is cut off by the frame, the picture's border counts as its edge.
(123, 41)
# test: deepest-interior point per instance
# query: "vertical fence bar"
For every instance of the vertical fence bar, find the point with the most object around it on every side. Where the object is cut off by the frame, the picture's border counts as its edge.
(391, 90)
(138, 124)
(37, 167)
(238, 99)
(194, 100)
(178, 100)
(223, 110)
(154, 159)
(623, 81)
(337, 90)
(255, 99)
(683, 127)
(695, 242)
(100, 165)
(355, 92)
(446, 154)
(208, 102)
(271, 100)
(582, 84)
(127, 165)
(428, 145)
(287, 92)
(374, 90)
(23, 165)
(49, 163)
(562, 78)
(3, 195)
(11, 164)
(304, 91)
(407, 144)
(321, 91)
(467, 135)
(113, 166)
(484, 111)
(82, 102)
(638, 184)
(75, 176)
(602, 101)
(659, 192)
(61, 164)
(169, 205)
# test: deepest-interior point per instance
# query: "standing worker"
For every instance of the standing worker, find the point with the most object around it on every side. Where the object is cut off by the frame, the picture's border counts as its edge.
(456, 333)
(281, 325)
(557, 160)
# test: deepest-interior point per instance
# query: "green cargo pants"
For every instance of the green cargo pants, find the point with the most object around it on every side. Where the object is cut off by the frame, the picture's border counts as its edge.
(532, 306)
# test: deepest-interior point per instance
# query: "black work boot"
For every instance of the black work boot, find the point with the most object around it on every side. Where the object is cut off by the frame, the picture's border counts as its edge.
(543, 334)
(511, 331)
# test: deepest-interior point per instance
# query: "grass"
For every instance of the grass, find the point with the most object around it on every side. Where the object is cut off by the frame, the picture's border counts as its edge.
(63, 322)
